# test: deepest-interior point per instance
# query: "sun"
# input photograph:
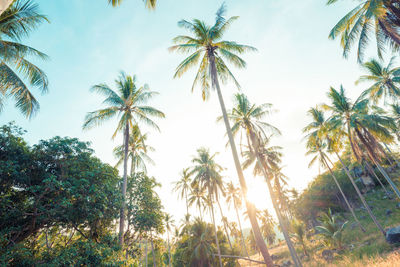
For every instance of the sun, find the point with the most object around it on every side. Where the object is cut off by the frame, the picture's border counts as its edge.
(258, 193)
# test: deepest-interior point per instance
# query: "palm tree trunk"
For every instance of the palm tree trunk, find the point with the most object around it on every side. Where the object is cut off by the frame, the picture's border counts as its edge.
(187, 205)
(344, 196)
(373, 158)
(215, 227)
(152, 250)
(283, 225)
(371, 170)
(146, 254)
(226, 230)
(169, 250)
(361, 197)
(124, 185)
(241, 230)
(250, 209)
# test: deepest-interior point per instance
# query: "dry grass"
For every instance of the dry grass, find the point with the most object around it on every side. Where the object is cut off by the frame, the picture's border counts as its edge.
(390, 260)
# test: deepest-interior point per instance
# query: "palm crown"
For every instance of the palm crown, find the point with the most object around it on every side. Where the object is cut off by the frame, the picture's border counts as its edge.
(127, 102)
(17, 22)
(207, 43)
(386, 80)
(150, 4)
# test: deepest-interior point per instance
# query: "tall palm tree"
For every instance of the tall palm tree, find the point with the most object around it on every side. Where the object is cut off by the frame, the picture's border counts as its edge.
(362, 127)
(368, 19)
(386, 80)
(249, 117)
(16, 22)
(354, 120)
(169, 222)
(317, 146)
(197, 196)
(207, 175)
(150, 4)
(183, 186)
(137, 151)
(208, 47)
(128, 103)
(233, 196)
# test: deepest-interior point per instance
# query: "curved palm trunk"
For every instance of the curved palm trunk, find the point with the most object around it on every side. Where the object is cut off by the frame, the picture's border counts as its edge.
(252, 216)
(226, 230)
(361, 196)
(169, 250)
(344, 196)
(375, 161)
(283, 225)
(215, 228)
(124, 184)
(394, 158)
(371, 170)
(241, 231)
(152, 250)
(187, 205)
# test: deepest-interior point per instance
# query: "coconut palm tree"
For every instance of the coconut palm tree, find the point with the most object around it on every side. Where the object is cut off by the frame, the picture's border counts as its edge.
(197, 196)
(150, 4)
(386, 80)
(208, 48)
(182, 187)
(17, 73)
(248, 118)
(137, 151)
(317, 146)
(128, 103)
(207, 175)
(234, 197)
(370, 18)
(169, 222)
(267, 226)
(362, 127)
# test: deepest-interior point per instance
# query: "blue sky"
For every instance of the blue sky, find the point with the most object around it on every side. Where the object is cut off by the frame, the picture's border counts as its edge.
(89, 43)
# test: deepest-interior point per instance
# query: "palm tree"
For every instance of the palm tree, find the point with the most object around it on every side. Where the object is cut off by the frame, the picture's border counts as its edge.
(16, 22)
(386, 80)
(197, 197)
(316, 146)
(202, 244)
(127, 103)
(169, 222)
(367, 19)
(362, 126)
(208, 47)
(267, 226)
(137, 151)
(183, 186)
(249, 118)
(354, 120)
(206, 175)
(233, 196)
(150, 4)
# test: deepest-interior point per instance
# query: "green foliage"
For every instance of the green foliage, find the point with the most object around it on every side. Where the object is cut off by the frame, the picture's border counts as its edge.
(331, 230)
(57, 201)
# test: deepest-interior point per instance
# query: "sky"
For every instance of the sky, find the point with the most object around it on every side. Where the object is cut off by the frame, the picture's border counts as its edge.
(89, 42)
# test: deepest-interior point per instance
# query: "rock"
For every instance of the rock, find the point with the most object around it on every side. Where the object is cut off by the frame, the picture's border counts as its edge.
(327, 254)
(388, 212)
(286, 263)
(398, 206)
(274, 257)
(363, 217)
(351, 247)
(393, 235)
